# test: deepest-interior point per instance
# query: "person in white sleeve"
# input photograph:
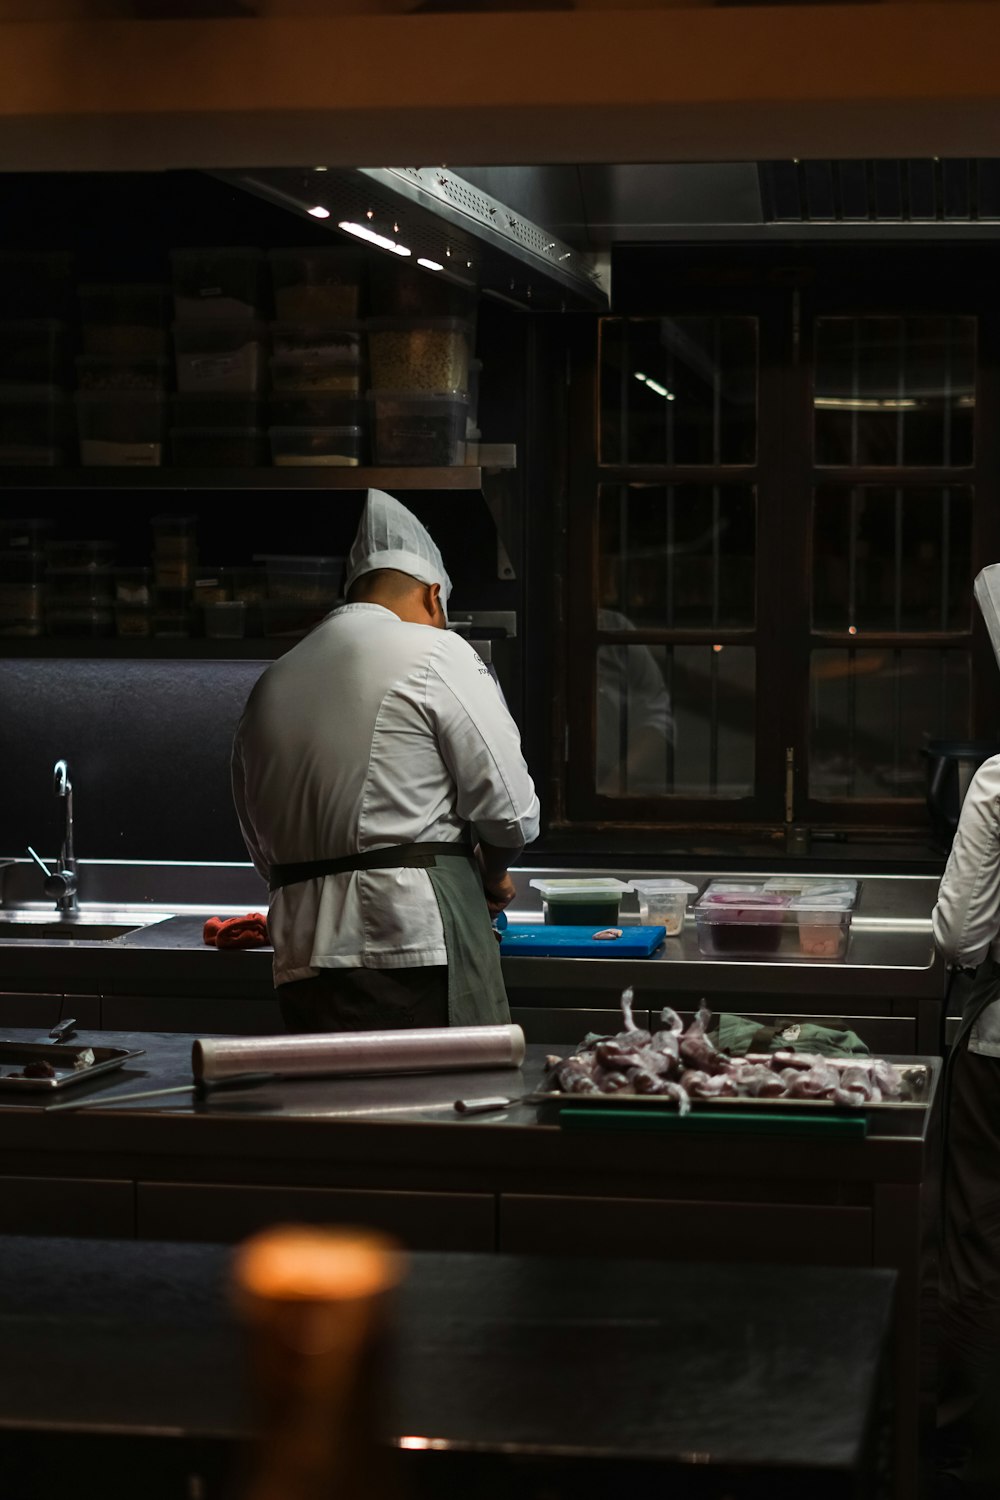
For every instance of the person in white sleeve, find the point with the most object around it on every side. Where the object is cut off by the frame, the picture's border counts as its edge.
(382, 793)
(966, 924)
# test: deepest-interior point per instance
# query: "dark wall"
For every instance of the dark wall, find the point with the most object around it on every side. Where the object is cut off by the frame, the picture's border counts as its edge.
(148, 749)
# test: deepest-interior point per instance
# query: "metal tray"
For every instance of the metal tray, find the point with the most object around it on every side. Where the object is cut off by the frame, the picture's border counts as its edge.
(14, 1055)
(916, 1075)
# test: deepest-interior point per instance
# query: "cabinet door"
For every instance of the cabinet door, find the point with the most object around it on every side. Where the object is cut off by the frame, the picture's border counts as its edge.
(198, 1015)
(95, 1209)
(226, 1212)
(42, 1011)
(801, 1234)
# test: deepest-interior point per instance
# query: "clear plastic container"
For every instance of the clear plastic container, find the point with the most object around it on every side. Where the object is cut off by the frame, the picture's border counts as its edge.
(20, 626)
(134, 586)
(92, 587)
(225, 619)
(173, 572)
(72, 620)
(418, 430)
(303, 580)
(472, 412)
(35, 426)
(22, 602)
(27, 533)
(21, 565)
(212, 585)
(175, 536)
(133, 619)
(37, 284)
(401, 291)
(427, 355)
(173, 624)
(581, 901)
(219, 283)
(317, 284)
(308, 447)
(294, 372)
(215, 447)
(122, 427)
(664, 902)
(751, 919)
(317, 341)
(124, 320)
(34, 351)
(220, 356)
(249, 584)
(122, 372)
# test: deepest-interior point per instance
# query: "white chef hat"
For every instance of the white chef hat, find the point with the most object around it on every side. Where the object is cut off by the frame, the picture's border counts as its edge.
(390, 536)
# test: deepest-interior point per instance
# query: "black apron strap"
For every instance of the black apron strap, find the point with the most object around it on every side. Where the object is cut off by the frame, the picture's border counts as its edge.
(394, 857)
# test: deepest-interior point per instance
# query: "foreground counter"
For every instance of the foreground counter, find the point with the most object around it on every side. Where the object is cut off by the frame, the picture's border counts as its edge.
(393, 1153)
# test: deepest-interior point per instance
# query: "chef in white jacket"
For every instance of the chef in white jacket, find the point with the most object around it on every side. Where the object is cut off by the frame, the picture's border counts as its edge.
(966, 923)
(382, 792)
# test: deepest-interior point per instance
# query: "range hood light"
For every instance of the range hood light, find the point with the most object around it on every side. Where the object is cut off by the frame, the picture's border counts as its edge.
(429, 265)
(364, 233)
(654, 385)
(319, 169)
(319, 212)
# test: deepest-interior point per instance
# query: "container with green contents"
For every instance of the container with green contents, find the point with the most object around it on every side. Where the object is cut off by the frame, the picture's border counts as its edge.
(582, 901)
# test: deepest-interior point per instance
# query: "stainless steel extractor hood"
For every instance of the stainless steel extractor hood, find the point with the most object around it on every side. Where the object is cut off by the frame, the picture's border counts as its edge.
(434, 216)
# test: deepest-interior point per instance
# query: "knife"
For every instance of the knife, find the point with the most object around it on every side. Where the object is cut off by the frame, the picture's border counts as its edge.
(200, 1089)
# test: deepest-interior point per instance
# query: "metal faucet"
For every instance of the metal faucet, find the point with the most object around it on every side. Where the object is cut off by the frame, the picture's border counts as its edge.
(62, 882)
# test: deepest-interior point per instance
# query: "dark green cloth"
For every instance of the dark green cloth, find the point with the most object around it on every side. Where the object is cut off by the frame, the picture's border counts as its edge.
(738, 1035)
(476, 993)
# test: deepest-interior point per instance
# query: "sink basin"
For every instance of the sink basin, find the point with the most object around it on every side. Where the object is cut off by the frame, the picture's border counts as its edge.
(86, 927)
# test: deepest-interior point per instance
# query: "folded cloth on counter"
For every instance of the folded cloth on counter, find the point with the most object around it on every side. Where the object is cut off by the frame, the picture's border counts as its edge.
(237, 932)
(738, 1035)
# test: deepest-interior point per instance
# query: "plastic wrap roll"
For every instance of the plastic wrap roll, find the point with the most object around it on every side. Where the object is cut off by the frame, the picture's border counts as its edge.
(432, 1049)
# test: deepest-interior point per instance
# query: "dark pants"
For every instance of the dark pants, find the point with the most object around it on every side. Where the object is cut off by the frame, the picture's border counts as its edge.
(366, 999)
(969, 1352)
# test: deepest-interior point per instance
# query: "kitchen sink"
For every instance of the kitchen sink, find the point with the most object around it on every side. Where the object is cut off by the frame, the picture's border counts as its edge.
(84, 927)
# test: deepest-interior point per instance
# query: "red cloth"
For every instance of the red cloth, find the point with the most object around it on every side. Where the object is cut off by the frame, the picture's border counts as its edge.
(237, 932)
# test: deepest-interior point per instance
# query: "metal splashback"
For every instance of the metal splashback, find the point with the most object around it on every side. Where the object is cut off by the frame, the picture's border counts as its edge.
(439, 216)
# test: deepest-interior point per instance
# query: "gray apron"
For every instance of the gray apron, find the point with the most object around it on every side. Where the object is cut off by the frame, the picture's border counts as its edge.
(476, 994)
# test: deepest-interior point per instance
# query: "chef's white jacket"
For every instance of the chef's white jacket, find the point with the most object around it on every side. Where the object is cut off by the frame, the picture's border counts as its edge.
(370, 732)
(966, 919)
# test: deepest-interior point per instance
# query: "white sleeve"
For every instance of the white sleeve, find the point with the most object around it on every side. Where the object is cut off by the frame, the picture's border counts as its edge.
(966, 919)
(481, 747)
(238, 779)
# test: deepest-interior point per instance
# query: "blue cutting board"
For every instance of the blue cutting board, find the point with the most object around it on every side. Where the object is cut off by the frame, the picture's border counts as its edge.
(542, 941)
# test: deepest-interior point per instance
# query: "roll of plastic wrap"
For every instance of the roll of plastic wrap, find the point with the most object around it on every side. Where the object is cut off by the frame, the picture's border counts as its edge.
(432, 1049)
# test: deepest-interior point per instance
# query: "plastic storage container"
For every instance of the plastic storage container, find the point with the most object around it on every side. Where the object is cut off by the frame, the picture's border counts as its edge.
(283, 618)
(21, 605)
(134, 586)
(399, 291)
(218, 447)
(134, 620)
(122, 372)
(316, 409)
(91, 587)
(34, 351)
(175, 536)
(219, 283)
(302, 580)
(124, 320)
(35, 426)
(317, 341)
(420, 355)
(249, 584)
(782, 916)
(122, 427)
(664, 902)
(89, 552)
(212, 584)
(225, 619)
(220, 356)
(335, 447)
(292, 372)
(217, 409)
(418, 430)
(581, 902)
(28, 533)
(317, 284)
(73, 620)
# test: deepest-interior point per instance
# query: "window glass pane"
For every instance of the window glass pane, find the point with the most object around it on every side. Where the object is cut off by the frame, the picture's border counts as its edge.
(678, 390)
(675, 721)
(679, 555)
(892, 558)
(870, 712)
(895, 390)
